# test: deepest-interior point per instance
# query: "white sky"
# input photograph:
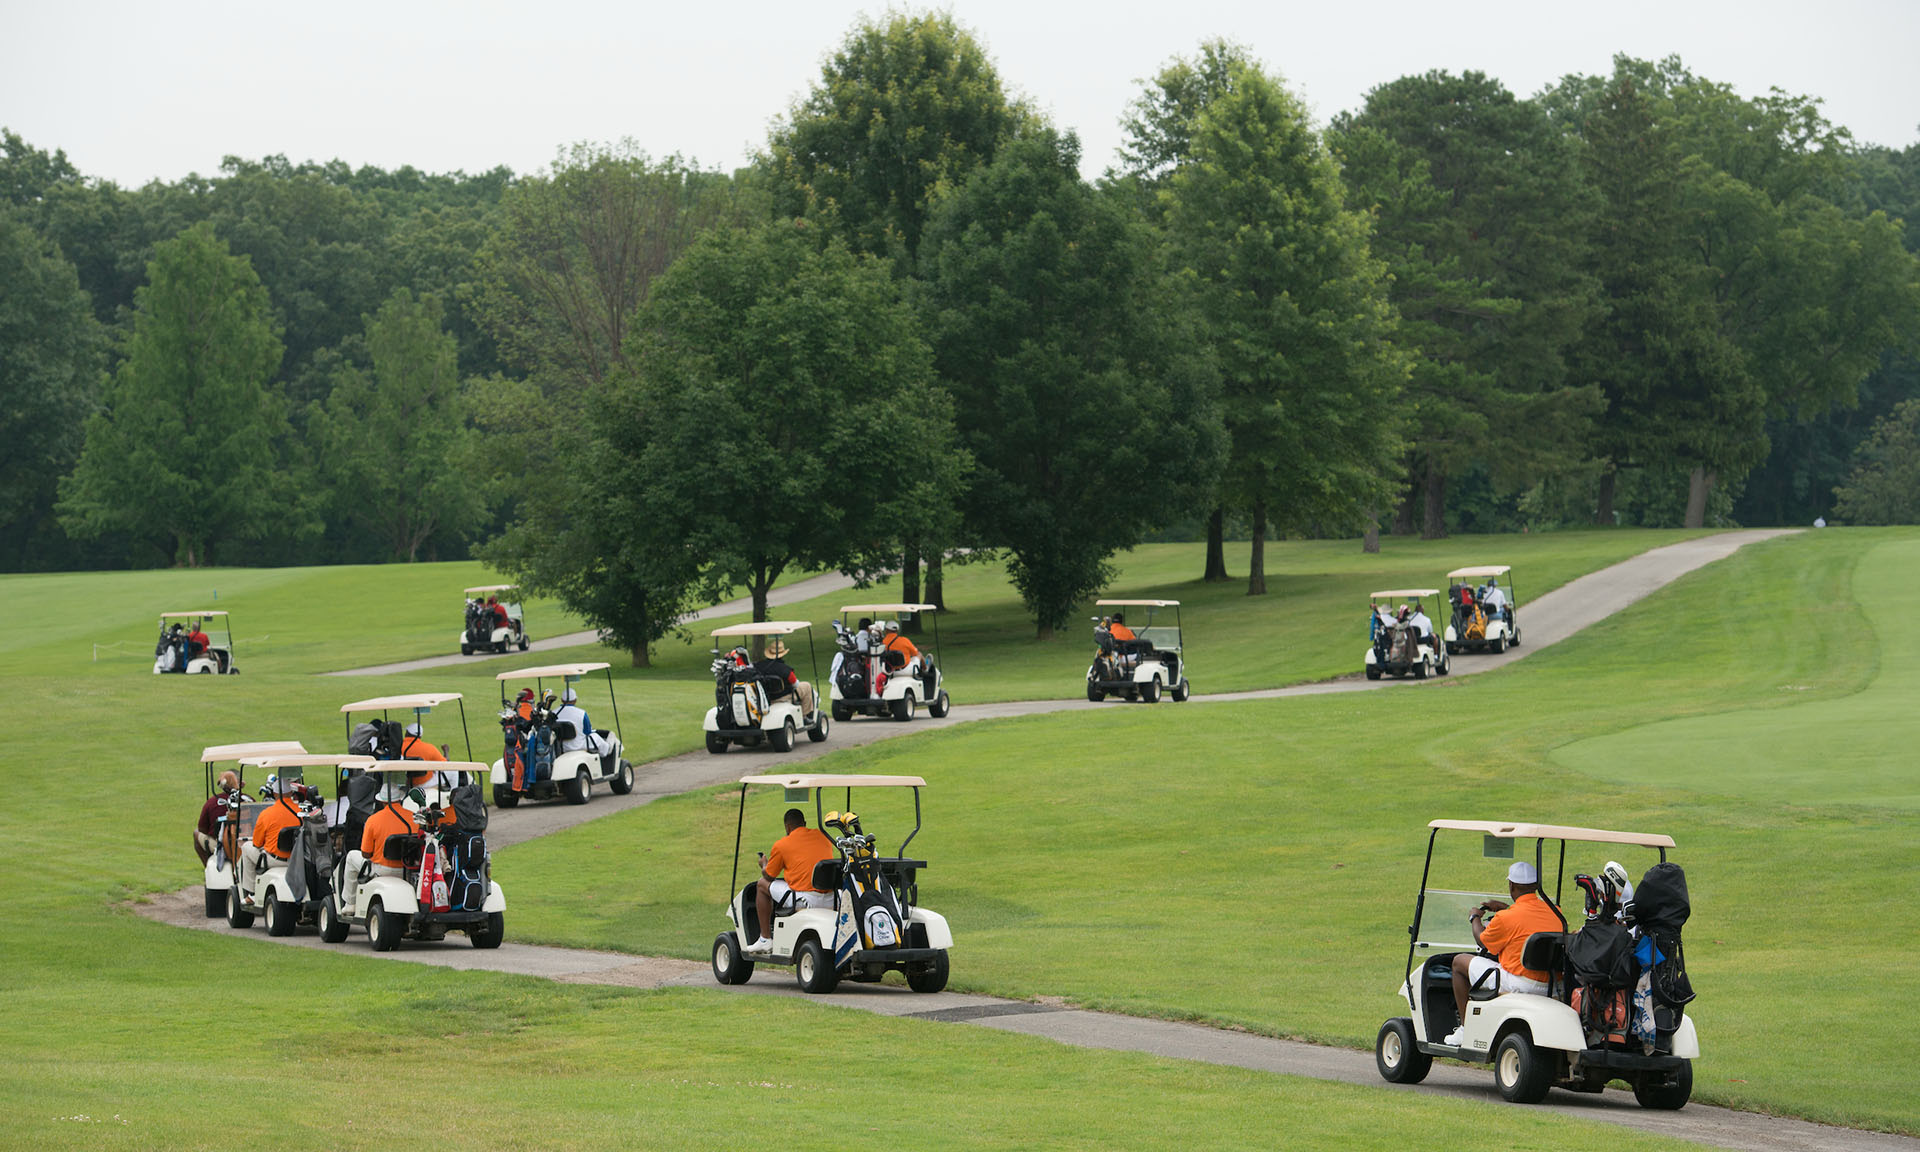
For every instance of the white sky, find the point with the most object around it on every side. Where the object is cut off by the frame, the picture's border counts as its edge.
(136, 91)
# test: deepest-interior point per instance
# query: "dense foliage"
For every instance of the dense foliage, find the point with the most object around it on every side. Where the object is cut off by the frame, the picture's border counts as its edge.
(911, 331)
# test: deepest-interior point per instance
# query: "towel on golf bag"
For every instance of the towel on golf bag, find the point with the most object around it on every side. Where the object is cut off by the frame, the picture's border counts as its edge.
(466, 873)
(469, 809)
(310, 863)
(433, 895)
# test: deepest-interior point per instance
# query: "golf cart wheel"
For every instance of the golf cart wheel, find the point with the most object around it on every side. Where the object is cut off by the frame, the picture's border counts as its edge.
(1394, 1053)
(333, 929)
(1515, 641)
(1670, 1096)
(1499, 645)
(622, 781)
(466, 649)
(579, 788)
(930, 978)
(281, 917)
(782, 737)
(504, 796)
(1443, 665)
(716, 743)
(216, 903)
(842, 712)
(730, 966)
(1419, 669)
(903, 707)
(820, 728)
(1522, 1073)
(1150, 692)
(237, 914)
(383, 928)
(1094, 694)
(1182, 691)
(941, 706)
(490, 934)
(523, 643)
(814, 968)
(1373, 671)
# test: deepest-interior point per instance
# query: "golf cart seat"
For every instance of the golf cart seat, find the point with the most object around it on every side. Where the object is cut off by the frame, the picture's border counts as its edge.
(1546, 952)
(405, 847)
(285, 841)
(564, 730)
(826, 875)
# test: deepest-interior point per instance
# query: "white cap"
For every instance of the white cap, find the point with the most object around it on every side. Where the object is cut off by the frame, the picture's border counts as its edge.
(1522, 872)
(413, 729)
(567, 697)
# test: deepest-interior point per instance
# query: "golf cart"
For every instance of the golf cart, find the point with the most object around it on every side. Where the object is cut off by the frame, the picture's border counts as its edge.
(485, 630)
(177, 652)
(875, 682)
(1473, 626)
(445, 878)
(236, 811)
(1141, 668)
(1579, 1034)
(534, 764)
(384, 739)
(742, 712)
(1398, 649)
(289, 891)
(875, 925)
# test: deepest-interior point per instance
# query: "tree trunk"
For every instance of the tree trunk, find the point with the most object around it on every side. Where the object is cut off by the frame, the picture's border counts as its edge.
(1603, 508)
(1403, 515)
(1257, 567)
(1370, 543)
(1699, 487)
(640, 655)
(1217, 546)
(1043, 632)
(910, 586)
(1434, 524)
(762, 584)
(936, 584)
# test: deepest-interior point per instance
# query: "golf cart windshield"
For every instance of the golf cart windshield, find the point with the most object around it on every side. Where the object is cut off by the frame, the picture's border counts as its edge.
(1149, 621)
(213, 623)
(504, 591)
(1443, 923)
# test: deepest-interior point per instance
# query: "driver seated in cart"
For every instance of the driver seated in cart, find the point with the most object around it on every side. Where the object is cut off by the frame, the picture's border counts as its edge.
(786, 875)
(284, 812)
(414, 747)
(1505, 936)
(570, 712)
(898, 644)
(393, 818)
(779, 679)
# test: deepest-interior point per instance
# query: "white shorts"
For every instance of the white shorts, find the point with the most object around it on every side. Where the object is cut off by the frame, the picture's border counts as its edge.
(1477, 967)
(784, 896)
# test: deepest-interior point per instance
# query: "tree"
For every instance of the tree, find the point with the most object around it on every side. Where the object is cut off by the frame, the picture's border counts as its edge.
(183, 448)
(50, 362)
(1071, 360)
(780, 412)
(1478, 213)
(1297, 312)
(1885, 485)
(392, 442)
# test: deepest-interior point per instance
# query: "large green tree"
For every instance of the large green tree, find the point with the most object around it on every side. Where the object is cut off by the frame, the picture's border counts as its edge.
(183, 450)
(393, 447)
(51, 352)
(1297, 312)
(1078, 381)
(1884, 487)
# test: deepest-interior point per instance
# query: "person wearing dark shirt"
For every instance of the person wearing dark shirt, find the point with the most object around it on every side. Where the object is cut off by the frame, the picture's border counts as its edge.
(206, 833)
(780, 680)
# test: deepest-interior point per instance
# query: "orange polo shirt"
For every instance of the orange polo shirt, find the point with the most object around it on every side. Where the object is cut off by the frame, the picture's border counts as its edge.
(266, 826)
(904, 646)
(414, 748)
(1506, 934)
(796, 853)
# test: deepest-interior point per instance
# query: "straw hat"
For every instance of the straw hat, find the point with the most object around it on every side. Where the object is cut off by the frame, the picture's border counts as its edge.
(776, 649)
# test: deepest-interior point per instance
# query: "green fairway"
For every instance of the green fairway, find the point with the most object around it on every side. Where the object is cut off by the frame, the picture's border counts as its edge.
(1248, 863)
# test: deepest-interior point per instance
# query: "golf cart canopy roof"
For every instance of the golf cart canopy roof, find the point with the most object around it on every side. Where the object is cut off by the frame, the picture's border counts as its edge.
(1396, 593)
(486, 588)
(838, 781)
(547, 671)
(1483, 570)
(890, 608)
(216, 753)
(424, 767)
(308, 760)
(386, 703)
(1555, 832)
(189, 615)
(1138, 603)
(764, 628)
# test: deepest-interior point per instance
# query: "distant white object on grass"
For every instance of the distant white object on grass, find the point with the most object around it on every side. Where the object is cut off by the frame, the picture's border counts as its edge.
(1819, 521)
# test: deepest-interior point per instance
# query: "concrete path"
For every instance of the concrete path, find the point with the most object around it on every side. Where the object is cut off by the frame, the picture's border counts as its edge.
(792, 593)
(1544, 621)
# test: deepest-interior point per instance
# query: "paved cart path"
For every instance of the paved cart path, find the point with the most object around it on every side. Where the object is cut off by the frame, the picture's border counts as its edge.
(1544, 621)
(792, 593)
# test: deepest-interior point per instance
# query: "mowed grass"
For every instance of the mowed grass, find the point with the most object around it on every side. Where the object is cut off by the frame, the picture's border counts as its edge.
(1255, 864)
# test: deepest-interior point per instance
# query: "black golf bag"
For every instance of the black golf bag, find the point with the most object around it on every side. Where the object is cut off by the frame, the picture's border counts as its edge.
(465, 865)
(479, 623)
(739, 694)
(1659, 910)
(380, 739)
(310, 863)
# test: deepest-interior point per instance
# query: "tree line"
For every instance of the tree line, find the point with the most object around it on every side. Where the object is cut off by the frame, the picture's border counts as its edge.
(910, 334)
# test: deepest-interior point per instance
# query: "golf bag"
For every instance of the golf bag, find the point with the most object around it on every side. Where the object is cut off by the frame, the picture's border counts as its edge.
(168, 654)
(513, 751)
(1660, 909)
(479, 628)
(874, 908)
(739, 694)
(537, 754)
(310, 864)
(1402, 644)
(465, 867)
(380, 739)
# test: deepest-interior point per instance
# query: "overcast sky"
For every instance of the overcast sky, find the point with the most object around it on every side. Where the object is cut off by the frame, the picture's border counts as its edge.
(137, 91)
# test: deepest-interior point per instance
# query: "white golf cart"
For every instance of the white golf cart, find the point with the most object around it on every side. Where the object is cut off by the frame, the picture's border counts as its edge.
(235, 822)
(875, 681)
(1535, 1042)
(483, 630)
(875, 924)
(1399, 649)
(742, 712)
(289, 891)
(533, 765)
(385, 739)
(1474, 625)
(178, 652)
(1143, 667)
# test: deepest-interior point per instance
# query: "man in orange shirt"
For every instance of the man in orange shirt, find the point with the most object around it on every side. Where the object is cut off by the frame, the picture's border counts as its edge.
(415, 748)
(392, 819)
(284, 812)
(786, 875)
(1505, 935)
(895, 642)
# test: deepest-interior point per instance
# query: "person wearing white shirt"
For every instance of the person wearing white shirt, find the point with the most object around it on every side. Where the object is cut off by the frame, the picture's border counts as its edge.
(584, 739)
